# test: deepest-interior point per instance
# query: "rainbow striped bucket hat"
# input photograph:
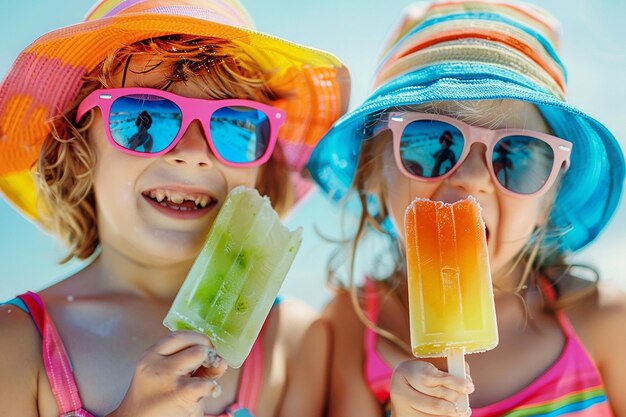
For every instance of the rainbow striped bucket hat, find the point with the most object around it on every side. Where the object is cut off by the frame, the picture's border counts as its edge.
(479, 50)
(47, 75)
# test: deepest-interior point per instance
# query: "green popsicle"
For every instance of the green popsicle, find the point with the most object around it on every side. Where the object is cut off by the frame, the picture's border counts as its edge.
(233, 283)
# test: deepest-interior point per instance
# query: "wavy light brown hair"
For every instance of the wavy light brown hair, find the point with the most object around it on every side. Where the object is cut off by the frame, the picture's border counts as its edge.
(66, 161)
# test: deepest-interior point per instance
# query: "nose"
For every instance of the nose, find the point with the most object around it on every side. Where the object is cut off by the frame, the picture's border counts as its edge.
(472, 176)
(192, 149)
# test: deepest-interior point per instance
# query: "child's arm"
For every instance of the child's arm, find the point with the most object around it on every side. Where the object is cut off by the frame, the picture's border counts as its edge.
(307, 342)
(21, 367)
(601, 325)
(348, 392)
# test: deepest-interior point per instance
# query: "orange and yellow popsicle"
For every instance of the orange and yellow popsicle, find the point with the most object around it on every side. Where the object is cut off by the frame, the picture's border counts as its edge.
(451, 301)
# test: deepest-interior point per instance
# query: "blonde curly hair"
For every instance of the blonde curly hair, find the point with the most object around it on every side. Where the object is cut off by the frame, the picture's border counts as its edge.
(67, 158)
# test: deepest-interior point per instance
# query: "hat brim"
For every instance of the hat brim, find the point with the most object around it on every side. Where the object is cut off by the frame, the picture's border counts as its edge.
(47, 75)
(590, 189)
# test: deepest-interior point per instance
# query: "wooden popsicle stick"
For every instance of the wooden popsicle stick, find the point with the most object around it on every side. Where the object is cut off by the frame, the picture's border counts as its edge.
(456, 367)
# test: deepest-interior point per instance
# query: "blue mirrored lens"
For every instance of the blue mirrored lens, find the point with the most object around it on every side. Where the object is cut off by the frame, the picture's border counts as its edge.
(522, 164)
(144, 122)
(430, 148)
(240, 134)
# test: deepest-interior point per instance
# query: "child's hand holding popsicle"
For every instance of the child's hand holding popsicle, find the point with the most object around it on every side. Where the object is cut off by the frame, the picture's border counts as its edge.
(174, 374)
(418, 388)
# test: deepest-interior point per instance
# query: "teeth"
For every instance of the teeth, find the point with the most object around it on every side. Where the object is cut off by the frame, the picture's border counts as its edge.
(177, 197)
(158, 195)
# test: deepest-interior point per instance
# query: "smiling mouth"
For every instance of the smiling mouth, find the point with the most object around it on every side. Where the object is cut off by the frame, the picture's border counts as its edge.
(180, 201)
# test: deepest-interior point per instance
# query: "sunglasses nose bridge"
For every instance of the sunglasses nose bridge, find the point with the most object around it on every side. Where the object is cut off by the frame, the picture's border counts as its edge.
(195, 116)
(192, 148)
(480, 135)
(471, 173)
(201, 115)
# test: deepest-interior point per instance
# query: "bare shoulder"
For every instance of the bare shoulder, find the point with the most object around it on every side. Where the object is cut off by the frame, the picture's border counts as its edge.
(339, 304)
(306, 338)
(348, 393)
(20, 362)
(340, 310)
(21, 342)
(341, 314)
(346, 327)
(294, 311)
(599, 318)
(599, 322)
(294, 319)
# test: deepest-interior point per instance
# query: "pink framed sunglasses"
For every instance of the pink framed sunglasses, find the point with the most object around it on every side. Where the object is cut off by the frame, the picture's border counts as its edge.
(150, 122)
(429, 147)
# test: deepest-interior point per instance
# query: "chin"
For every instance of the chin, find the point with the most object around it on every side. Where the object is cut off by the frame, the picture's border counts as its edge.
(176, 250)
(162, 248)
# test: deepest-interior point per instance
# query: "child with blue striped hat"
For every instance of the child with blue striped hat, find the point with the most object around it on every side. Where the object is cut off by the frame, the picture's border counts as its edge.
(469, 99)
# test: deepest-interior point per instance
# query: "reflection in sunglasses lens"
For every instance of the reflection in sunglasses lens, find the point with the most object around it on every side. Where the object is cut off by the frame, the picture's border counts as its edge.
(240, 134)
(522, 164)
(430, 148)
(144, 122)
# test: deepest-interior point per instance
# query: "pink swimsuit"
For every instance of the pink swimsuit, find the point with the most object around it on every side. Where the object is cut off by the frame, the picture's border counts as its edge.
(64, 387)
(572, 386)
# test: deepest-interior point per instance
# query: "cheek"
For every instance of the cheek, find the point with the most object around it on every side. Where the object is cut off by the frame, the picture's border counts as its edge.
(518, 221)
(115, 174)
(114, 193)
(240, 176)
(523, 216)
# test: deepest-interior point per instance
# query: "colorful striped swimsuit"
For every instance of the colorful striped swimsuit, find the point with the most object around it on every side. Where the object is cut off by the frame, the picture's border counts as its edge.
(60, 375)
(572, 386)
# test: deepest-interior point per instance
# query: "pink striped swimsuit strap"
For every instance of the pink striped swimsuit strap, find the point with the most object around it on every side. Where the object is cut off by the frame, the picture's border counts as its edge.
(55, 359)
(377, 371)
(550, 293)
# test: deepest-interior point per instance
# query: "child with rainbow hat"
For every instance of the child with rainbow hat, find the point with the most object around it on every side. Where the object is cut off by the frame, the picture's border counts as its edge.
(140, 191)
(469, 99)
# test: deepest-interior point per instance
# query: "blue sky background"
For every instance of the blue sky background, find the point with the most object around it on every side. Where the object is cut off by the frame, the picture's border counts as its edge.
(593, 50)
